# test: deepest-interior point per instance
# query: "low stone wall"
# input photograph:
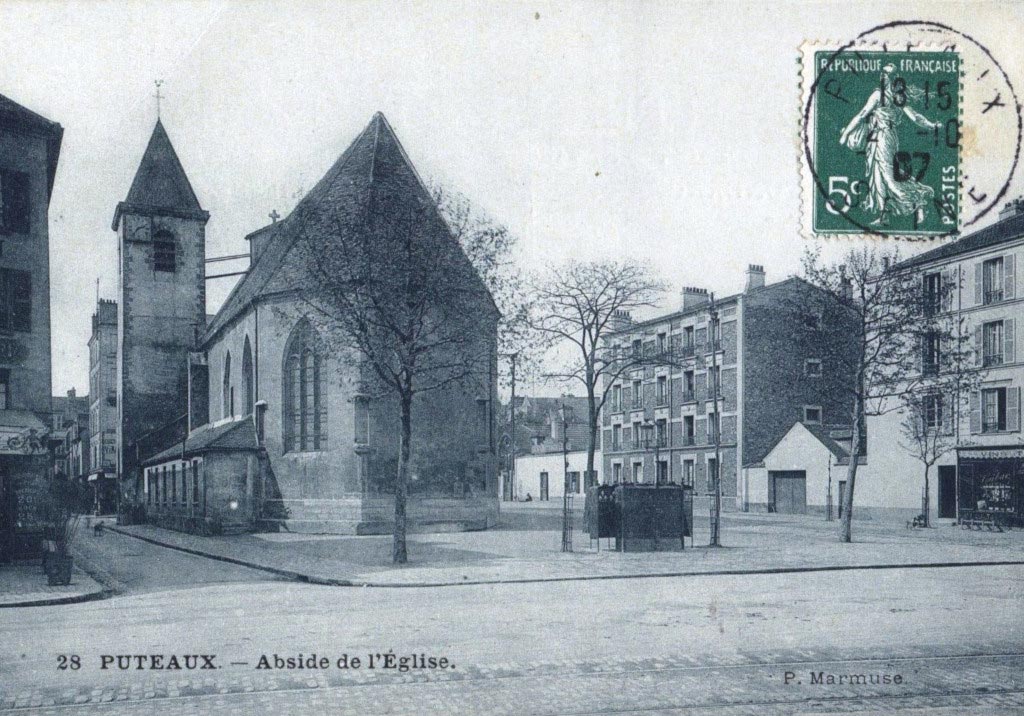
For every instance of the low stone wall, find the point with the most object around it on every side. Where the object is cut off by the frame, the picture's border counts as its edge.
(375, 515)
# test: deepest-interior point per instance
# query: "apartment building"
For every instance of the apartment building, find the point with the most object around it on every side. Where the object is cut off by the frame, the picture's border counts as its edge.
(661, 422)
(985, 299)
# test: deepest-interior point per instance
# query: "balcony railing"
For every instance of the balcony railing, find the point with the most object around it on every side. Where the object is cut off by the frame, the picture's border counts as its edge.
(993, 427)
(616, 445)
(689, 440)
(689, 397)
(688, 350)
(930, 368)
(994, 296)
(638, 403)
(661, 399)
(715, 346)
(991, 359)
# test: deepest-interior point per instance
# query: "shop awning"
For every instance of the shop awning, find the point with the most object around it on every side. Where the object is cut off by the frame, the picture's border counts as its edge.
(22, 433)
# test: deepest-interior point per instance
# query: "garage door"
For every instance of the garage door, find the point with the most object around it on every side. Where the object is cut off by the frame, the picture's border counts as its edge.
(789, 491)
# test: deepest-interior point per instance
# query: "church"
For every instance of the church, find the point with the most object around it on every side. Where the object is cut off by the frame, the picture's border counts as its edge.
(252, 419)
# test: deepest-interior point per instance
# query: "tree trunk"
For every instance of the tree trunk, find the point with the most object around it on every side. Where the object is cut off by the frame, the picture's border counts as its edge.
(593, 417)
(846, 523)
(927, 499)
(399, 553)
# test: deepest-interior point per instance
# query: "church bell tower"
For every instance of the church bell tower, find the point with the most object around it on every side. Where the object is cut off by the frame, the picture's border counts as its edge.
(161, 230)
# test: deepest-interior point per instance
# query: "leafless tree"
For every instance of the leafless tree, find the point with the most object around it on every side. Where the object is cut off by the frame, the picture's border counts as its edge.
(876, 320)
(579, 305)
(394, 290)
(930, 425)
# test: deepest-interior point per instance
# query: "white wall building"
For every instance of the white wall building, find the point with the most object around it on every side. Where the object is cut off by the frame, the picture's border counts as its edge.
(542, 476)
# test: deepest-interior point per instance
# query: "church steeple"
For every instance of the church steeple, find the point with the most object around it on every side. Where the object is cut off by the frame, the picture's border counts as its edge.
(160, 185)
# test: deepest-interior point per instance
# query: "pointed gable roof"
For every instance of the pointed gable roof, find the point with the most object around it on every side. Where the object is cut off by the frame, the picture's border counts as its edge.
(160, 184)
(374, 155)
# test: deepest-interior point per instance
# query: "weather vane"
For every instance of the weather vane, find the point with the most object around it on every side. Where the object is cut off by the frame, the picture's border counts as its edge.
(158, 96)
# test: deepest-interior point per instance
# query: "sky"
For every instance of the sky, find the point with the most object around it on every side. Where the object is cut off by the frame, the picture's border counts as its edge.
(663, 131)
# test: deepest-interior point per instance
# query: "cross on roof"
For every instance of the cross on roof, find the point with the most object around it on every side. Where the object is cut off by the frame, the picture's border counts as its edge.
(274, 216)
(158, 96)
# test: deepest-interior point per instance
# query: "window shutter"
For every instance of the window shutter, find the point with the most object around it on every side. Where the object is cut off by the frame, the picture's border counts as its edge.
(948, 405)
(975, 405)
(1013, 409)
(701, 435)
(1008, 276)
(922, 351)
(979, 285)
(948, 288)
(1008, 340)
(979, 348)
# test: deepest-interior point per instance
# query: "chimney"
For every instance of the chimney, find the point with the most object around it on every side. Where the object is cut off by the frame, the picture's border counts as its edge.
(621, 320)
(692, 296)
(755, 277)
(845, 284)
(1012, 208)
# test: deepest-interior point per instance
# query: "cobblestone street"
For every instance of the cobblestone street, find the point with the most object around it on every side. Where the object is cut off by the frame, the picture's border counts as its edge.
(743, 684)
(701, 644)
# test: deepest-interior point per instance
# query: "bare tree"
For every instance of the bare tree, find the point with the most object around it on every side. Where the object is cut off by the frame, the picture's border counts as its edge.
(878, 322)
(398, 297)
(929, 428)
(491, 247)
(578, 305)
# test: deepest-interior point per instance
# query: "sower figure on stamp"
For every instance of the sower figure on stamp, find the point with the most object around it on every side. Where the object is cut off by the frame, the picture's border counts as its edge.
(874, 130)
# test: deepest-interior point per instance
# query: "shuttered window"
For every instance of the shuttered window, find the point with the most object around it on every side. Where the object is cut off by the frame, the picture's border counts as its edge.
(15, 206)
(15, 300)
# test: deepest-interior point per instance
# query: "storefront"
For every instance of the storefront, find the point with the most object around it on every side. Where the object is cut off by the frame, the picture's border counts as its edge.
(991, 481)
(24, 475)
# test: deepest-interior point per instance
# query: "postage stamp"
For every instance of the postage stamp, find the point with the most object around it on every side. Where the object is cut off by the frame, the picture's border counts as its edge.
(886, 141)
(910, 130)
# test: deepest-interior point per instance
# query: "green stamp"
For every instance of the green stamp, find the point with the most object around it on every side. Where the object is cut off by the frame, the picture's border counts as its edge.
(886, 142)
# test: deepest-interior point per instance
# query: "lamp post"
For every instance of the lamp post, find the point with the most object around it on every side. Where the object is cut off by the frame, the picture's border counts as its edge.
(565, 415)
(716, 500)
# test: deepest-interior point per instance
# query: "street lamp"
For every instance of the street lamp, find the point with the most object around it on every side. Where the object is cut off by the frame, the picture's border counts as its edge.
(565, 415)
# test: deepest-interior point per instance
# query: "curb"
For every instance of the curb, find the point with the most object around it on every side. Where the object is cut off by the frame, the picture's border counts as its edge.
(325, 581)
(92, 596)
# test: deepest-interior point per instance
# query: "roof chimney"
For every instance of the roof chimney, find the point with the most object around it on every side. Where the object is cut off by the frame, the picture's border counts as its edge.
(1012, 208)
(845, 284)
(621, 320)
(693, 296)
(755, 277)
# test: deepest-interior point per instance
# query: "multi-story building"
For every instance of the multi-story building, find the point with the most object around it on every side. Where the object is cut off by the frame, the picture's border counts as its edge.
(660, 422)
(69, 436)
(984, 299)
(29, 149)
(103, 407)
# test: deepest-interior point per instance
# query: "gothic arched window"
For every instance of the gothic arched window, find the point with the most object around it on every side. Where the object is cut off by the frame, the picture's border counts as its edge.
(305, 406)
(248, 386)
(227, 396)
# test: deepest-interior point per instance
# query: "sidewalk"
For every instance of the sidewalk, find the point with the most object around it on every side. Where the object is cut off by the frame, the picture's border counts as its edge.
(754, 544)
(24, 585)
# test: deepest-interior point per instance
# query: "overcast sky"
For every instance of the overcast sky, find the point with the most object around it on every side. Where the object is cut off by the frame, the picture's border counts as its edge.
(666, 131)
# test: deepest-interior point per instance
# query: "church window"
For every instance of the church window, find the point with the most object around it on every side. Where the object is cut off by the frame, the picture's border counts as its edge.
(227, 409)
(305, 409)
(15, 214)
(247, 379)
(15, 300)
(362, 419)
(164, 252)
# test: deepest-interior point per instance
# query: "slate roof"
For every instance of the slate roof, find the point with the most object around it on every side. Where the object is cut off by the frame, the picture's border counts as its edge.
(375, 153)
(1002, 231)
(160, 183)
(14, 116)
(235, 434)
